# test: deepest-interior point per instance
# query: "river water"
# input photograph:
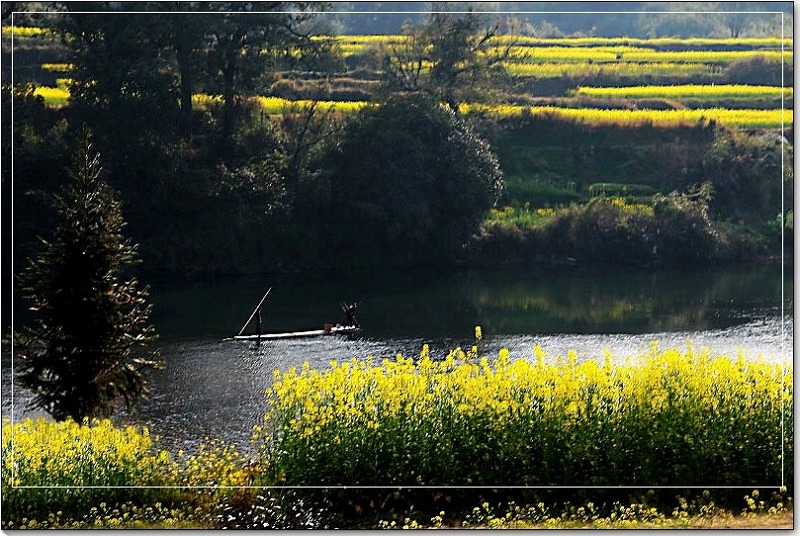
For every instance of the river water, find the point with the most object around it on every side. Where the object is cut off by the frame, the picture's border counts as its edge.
(215, 388)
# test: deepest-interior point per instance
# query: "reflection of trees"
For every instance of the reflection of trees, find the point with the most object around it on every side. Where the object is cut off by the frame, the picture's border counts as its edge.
(430, 305)
(586, 301)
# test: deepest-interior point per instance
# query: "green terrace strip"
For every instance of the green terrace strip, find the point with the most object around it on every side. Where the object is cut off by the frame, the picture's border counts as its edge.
(620, 68)
(710, 92)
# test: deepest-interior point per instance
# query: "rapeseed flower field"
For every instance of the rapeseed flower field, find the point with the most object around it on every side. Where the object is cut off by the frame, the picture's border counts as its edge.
(668, 417)
(742, 118)
(683, 91)
(95, 473)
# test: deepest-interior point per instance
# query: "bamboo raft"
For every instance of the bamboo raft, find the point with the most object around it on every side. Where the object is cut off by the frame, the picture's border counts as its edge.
(329, 329)
(334, 330)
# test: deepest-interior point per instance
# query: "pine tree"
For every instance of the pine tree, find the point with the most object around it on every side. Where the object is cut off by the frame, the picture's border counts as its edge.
(91, 342)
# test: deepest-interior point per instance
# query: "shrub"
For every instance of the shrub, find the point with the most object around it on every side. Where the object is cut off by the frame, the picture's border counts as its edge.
(674, 229)
(758, 70)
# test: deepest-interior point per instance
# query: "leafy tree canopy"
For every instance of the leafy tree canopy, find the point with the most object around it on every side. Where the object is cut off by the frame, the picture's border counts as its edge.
(410, 181)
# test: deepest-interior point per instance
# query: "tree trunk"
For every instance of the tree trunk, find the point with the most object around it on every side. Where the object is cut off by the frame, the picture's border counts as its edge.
(187, 86)
(228, 110)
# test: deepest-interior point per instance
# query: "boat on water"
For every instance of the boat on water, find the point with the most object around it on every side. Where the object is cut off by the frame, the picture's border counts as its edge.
(349, 327)
(327, 330)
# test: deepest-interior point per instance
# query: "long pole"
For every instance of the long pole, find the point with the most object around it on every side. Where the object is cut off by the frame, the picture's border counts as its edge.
(254, 311)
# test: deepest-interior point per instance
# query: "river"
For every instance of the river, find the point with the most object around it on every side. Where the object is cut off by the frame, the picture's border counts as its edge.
(215, 388)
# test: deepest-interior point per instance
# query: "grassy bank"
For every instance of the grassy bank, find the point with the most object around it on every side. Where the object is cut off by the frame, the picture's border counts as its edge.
(645, 195)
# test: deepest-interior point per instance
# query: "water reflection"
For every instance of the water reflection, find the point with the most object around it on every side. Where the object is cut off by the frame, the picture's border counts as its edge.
(503, 302)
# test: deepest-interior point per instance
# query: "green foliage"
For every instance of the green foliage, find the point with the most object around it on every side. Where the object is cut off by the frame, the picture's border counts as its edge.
(674, 230)
(137, 92)
(218, 189)
(245, 42)
(539, 191)
(409, 182)
(684, 222)
(89, 347)
(747, 174)
(41, 143)
(615, 189)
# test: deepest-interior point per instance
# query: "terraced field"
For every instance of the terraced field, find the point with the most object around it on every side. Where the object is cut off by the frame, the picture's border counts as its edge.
(683, 81)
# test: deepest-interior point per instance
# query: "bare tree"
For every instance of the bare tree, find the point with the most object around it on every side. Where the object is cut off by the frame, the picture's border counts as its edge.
(451, 57)
(734, 18)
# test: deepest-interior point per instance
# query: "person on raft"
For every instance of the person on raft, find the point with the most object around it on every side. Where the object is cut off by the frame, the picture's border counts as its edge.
(351, 316)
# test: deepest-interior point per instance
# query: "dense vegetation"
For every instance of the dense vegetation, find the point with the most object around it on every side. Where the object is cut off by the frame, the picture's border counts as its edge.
(242, 167)
(668, 417)
(590, 19)
(252, 139)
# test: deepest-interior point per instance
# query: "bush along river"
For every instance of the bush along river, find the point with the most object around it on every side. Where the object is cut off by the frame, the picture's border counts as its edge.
(215, 388)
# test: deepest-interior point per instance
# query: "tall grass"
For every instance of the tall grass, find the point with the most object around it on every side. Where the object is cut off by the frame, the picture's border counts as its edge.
(673, 418)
